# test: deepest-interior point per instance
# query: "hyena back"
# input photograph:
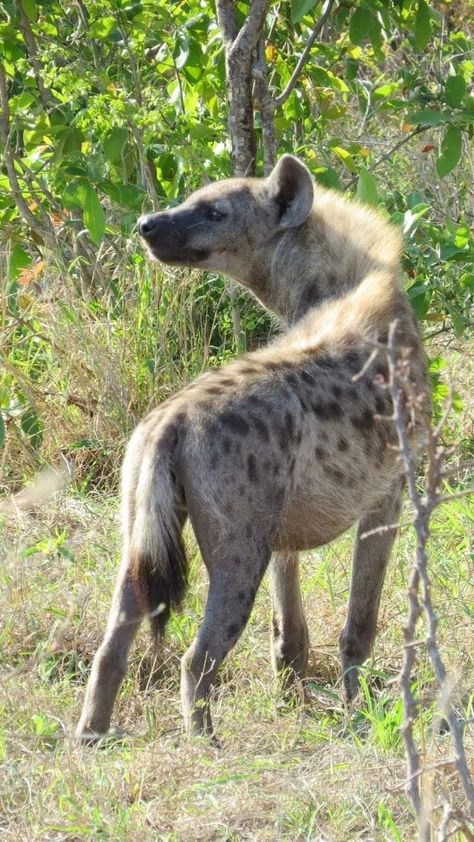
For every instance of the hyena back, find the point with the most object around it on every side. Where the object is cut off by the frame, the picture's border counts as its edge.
(281, 450)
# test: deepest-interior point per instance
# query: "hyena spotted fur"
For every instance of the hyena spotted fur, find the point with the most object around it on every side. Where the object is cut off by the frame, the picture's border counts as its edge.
(281, 450)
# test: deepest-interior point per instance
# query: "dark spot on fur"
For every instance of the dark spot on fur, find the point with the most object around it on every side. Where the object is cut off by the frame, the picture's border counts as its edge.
(325, 361)
(342, 444)
(338, 475)
(241, 490)
(320, 453)
(290, 424)
(291, 379)
(232, 630)
(279, 496)
(307, 377)
(214, 390)
(282, 437)
(226, 381)
(255, 402)
(334, 409)
(305, 403)
(237, 560)
(214, 460)
(244, 618)
(235, 422)
(241, 596)
(261, 428)
(363, 422)
(352, 392)
(352, 361)
(226, 445)
(252, 468)
(249, 369)
(272, 365)
(291, 466)
(298, 437)
(327, 411)
(336, 390)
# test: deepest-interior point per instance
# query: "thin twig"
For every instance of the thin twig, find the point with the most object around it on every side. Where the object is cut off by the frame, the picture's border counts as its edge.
(281, 99)
(390, 152)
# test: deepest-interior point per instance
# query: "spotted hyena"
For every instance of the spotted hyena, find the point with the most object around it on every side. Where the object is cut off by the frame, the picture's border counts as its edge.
(281, 450)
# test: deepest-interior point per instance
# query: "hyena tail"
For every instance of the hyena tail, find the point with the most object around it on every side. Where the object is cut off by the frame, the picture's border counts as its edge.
(158, 559)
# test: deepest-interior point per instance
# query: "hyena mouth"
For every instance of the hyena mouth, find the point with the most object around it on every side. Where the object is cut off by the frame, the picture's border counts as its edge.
(175, 257)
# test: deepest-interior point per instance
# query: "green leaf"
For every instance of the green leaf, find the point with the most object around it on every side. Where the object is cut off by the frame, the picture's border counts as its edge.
(94, 216)
(367, 188)
(30, 10)
(75, 193)
(458, 323)
(451, 149)
(32, 427)
(422, 25)
(454, 91)
(19, 259)
(375, 34)
(114, 143)
(428, 118)
(359, 25)
(300, 8)
(2, 431)
(102, 28)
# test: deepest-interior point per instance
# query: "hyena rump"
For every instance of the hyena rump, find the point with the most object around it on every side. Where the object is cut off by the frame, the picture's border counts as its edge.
(280, 451)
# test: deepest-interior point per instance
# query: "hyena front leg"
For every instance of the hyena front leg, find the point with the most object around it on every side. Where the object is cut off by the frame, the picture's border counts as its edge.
(110, 662)
(233, 583)
(369, 564)
(290, 639)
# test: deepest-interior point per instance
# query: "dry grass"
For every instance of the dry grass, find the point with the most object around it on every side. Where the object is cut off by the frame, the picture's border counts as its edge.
(284, 772)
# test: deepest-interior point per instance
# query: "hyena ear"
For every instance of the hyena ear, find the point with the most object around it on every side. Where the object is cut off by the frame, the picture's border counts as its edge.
(291, 188)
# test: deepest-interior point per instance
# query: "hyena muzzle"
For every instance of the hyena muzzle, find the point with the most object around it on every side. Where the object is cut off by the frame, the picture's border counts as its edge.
(281, 450)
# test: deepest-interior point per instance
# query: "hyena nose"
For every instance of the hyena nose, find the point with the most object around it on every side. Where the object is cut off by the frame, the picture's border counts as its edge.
(147, 225)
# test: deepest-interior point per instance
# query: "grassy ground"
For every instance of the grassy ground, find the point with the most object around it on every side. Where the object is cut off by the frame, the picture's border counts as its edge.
(284, 772)
(89, 371)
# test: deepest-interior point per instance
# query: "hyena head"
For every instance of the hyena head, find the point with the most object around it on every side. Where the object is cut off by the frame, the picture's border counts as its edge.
(231, 226)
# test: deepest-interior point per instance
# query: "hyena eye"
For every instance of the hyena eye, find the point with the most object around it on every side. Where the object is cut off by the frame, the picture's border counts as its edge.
(214, 214)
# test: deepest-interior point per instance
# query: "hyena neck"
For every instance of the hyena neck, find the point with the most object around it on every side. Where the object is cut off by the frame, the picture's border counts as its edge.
(326, 259)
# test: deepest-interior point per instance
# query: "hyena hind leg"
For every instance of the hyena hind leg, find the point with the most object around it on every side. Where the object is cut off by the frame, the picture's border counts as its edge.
(289, 633)
(369, 564)
(110, 662)
(233, 583)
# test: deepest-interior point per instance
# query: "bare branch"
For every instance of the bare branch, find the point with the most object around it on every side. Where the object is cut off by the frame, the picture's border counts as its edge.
(267, 109)
(389, 154)
(281, 99)
(32, 50)
(423, 506)
(227, 20)
(249, 34)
